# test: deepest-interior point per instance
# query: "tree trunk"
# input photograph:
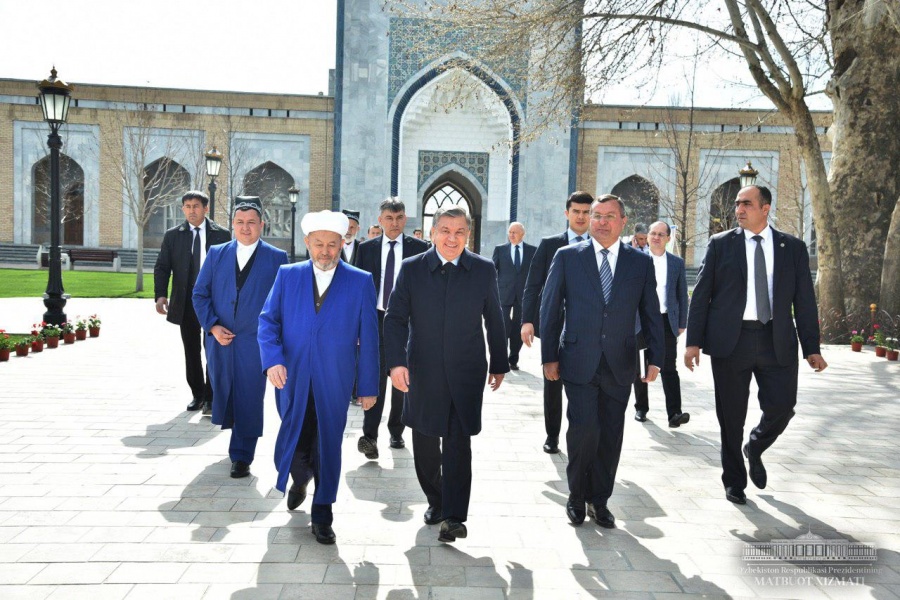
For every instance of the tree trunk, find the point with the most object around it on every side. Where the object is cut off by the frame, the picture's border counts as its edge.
(890, 272)
(865, 167)
(829, 276)
(139, 278)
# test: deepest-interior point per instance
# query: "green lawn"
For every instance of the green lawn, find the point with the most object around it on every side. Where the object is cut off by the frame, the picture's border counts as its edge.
(16, 283)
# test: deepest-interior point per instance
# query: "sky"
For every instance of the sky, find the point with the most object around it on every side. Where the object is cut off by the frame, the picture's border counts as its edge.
(273, 46)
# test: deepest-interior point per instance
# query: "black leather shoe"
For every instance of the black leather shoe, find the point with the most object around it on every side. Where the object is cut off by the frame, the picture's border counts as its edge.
(296, 495)
(601, 516)
(732, 494)
(640, 415)
(575, 512)
(679, 419)
(240, 469)
(513, 366)
(757, 470)
(551, 446)
(433, 515)
(451, 529)
(195, 404)
(396, 442)
(324, 533)
(207, 408)
(367, 446)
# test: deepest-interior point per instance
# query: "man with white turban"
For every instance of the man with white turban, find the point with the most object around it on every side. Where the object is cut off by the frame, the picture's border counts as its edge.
(315, 315)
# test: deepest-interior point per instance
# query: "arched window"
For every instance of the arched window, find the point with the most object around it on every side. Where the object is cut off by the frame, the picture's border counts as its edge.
(641, 200)
(165, 182)
(271, 183)
(721, 206)
(446, 196)
(71, 186)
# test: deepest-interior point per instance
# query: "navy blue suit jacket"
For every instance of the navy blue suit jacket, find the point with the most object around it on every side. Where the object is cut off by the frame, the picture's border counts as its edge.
(436, 330)
(592, 328)
(537, 277)
(720, 296)
(511, 282)
(676, 293)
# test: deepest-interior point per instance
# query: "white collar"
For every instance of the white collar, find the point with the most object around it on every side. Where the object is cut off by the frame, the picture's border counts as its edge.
(614, 249)
(385, 240)
(766, 234)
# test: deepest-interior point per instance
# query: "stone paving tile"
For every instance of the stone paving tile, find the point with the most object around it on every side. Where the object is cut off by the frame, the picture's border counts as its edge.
(141, 503)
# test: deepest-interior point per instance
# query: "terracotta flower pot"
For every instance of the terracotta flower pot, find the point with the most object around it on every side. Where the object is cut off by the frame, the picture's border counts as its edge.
(69, 338)
(94, 331)
(893, 354)
(880, 351)
(80, 334)
(856, 346)
(22, 350)
(37, 346)
(52, 341)
(4, 354)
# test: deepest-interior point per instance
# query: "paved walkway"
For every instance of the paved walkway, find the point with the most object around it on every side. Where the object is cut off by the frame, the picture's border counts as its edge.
(108, 489)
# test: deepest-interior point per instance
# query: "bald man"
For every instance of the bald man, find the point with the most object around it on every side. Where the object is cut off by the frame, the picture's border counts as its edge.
(512, 260)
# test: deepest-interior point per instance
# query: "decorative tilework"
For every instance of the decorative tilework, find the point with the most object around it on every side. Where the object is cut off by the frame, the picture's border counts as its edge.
(415, 43)
(476, 163)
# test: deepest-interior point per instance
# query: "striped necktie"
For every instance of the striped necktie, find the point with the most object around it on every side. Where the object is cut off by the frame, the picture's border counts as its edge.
(606, 276)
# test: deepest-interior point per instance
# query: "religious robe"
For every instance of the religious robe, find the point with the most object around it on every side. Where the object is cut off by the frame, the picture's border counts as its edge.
(319, 351)
(234, 370)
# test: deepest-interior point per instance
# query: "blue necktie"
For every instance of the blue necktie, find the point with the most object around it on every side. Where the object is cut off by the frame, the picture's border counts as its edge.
(518, 260)
(577, 239)
(606, 275)
(389, 275)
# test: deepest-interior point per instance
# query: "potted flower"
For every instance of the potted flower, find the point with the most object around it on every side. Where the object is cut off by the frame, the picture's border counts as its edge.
(51, 334)
(893, 349)
(856, 341)
(68, 332)
(5, 345)
(94, 325)
(22, 346)
(80, 329)
(37, 342)
(880, 346)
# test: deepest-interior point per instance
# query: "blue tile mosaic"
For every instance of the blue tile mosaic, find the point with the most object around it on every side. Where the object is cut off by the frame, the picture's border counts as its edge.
(432, 161)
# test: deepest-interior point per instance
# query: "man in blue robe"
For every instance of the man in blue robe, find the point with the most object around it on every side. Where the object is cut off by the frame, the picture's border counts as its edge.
(230, 291)
(317, 313)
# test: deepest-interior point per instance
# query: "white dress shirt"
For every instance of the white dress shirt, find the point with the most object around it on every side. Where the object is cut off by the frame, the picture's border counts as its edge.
(348, 250)
(661, 268)
(769, 253)
(398, 258)
(444, 261)
(512, 251)
(572, 235)
(323, 278)
(611, 258)
(244, 253)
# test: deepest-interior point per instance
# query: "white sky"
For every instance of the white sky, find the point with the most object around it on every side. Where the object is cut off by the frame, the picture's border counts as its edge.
(275, 46)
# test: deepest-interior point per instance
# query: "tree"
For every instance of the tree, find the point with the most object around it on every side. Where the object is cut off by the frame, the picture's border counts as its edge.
(790, 48)
(143, 158)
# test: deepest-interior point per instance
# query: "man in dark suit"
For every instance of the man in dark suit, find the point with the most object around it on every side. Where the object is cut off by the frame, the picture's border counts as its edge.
(513, 259)
(351, 244)
(578, 210)
(604, 285)
(434, 346)
(671, 289)
(382, 257)
(754, 296)
(182, 254)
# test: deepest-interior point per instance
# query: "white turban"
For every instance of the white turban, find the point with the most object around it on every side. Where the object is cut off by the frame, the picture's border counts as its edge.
(325, 220)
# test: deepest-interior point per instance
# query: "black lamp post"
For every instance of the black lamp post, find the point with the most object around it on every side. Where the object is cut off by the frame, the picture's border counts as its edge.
(748, 175)
(293, 195)
(55, 96)
(213, 164)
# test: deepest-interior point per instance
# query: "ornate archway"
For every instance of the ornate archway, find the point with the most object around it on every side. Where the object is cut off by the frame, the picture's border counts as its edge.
(641, 198)
(71, 184)
(165, 181)
(721, 206)
(271, 183)
(452, 190)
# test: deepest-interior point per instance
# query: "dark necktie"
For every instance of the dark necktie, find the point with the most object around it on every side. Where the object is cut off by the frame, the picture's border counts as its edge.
(578, 238)
(606, 275)
(763, 309)
(518, 259)
(195, 254)
(389, 275)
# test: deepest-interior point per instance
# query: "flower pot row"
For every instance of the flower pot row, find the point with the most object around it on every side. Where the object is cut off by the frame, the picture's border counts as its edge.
(43, 335)
(880, 351)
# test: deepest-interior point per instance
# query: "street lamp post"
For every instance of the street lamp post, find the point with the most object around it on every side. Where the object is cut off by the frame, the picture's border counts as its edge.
(213, 164)
(294, 195)
(748, 175)
(55, 96)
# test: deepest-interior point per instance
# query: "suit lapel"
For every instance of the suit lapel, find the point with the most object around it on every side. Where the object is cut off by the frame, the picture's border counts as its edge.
(738, 247)
(589, 262)
(623, 263)
(778, 251)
